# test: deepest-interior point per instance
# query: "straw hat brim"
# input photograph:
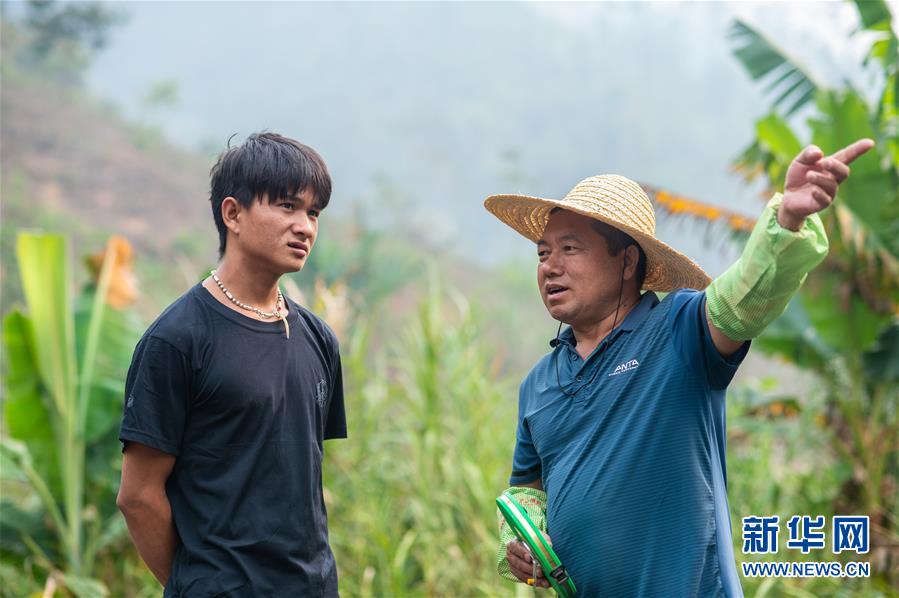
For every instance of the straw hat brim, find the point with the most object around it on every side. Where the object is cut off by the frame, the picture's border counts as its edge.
(666, 269)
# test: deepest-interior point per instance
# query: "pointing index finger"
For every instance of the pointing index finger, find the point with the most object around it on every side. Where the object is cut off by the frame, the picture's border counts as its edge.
(853, 150)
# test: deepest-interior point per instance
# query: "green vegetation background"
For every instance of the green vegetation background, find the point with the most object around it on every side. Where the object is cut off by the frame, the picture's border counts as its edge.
(433, 346)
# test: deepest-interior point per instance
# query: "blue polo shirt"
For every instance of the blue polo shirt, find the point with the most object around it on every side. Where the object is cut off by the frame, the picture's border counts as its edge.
(633, 463)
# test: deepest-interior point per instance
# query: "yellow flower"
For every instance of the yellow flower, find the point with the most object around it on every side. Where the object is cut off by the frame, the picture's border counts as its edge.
(122, 281)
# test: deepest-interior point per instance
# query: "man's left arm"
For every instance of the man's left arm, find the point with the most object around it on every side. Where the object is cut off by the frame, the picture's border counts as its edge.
(787, 242)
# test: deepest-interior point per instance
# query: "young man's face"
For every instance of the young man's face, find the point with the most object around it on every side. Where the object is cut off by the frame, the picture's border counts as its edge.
(579, 281)
(279, 235)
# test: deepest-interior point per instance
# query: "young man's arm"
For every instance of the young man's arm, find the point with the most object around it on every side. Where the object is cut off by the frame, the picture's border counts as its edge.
(780, 252)
(145, 505)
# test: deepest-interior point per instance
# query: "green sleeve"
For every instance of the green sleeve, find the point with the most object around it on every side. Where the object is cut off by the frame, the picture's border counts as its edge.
(756, 289)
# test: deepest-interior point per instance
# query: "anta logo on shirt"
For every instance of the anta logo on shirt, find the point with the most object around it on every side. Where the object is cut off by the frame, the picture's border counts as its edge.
(626, 367)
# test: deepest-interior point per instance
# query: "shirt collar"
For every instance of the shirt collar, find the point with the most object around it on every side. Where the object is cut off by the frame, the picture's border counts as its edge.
(633, 320)
(640, 312)
(566, 337)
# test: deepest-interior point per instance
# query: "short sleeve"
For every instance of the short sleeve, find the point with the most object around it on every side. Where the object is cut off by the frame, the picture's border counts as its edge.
(693, 340)
(335, 425)
(157, 396)
(526, 465)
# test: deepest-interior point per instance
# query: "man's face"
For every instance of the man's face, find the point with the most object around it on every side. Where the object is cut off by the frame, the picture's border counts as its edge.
(579, 281)
(279, 235)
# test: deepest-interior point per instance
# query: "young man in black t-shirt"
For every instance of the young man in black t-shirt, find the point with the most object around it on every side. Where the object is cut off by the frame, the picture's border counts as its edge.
(230, 394)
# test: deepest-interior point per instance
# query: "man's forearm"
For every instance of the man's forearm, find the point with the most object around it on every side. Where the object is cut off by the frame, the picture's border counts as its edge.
(755, 290)
(150, 524)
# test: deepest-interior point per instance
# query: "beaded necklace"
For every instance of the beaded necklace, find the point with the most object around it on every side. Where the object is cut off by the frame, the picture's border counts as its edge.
(277, 313)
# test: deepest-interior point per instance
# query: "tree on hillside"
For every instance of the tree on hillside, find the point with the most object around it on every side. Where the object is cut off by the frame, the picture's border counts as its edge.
(55, 23)
(60, 38)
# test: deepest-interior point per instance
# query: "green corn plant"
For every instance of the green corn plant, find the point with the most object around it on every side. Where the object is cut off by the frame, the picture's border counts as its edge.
(411, 495)
(66, 357)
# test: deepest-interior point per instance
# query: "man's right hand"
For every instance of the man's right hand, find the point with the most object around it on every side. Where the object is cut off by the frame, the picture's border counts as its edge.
(522, 563)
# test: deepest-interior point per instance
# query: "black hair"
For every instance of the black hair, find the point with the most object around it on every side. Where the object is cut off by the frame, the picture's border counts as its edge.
(617, 241)
(266, 165)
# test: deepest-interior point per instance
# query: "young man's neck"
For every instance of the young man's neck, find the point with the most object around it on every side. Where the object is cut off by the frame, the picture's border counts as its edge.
(588, 335)
(247, 283)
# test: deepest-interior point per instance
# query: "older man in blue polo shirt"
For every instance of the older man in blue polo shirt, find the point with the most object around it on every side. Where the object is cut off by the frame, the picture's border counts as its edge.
(620, 446)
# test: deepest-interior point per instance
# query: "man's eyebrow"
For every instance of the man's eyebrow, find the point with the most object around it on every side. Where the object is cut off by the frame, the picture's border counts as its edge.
(565, 237)
(298, 198)
(570, 237)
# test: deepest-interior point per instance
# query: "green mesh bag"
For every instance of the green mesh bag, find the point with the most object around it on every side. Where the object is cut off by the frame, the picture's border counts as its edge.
(521, 514)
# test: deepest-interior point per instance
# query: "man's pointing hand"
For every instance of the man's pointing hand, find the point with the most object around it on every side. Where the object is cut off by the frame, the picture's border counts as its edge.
(812, 181)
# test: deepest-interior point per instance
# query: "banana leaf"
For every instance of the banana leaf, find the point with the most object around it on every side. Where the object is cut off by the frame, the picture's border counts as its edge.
(792, 84)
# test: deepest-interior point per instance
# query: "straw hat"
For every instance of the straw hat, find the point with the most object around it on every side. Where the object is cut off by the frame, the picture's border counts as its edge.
(619, 202)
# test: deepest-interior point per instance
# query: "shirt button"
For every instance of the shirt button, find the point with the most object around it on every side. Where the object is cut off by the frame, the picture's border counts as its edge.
(579, 378)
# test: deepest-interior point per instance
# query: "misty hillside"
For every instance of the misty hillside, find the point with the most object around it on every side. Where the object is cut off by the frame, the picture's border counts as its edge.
(445, 103)
(70, 155)
(72, 163)
(421, 110)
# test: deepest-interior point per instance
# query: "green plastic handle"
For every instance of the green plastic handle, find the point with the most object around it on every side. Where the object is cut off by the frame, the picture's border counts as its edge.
(517, 518)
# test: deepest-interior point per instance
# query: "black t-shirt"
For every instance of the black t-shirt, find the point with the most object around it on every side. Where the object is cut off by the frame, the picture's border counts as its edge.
(245, 410)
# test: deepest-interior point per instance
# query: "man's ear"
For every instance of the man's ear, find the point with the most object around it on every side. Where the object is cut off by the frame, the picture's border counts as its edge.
(631, 259)
(231, 212)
